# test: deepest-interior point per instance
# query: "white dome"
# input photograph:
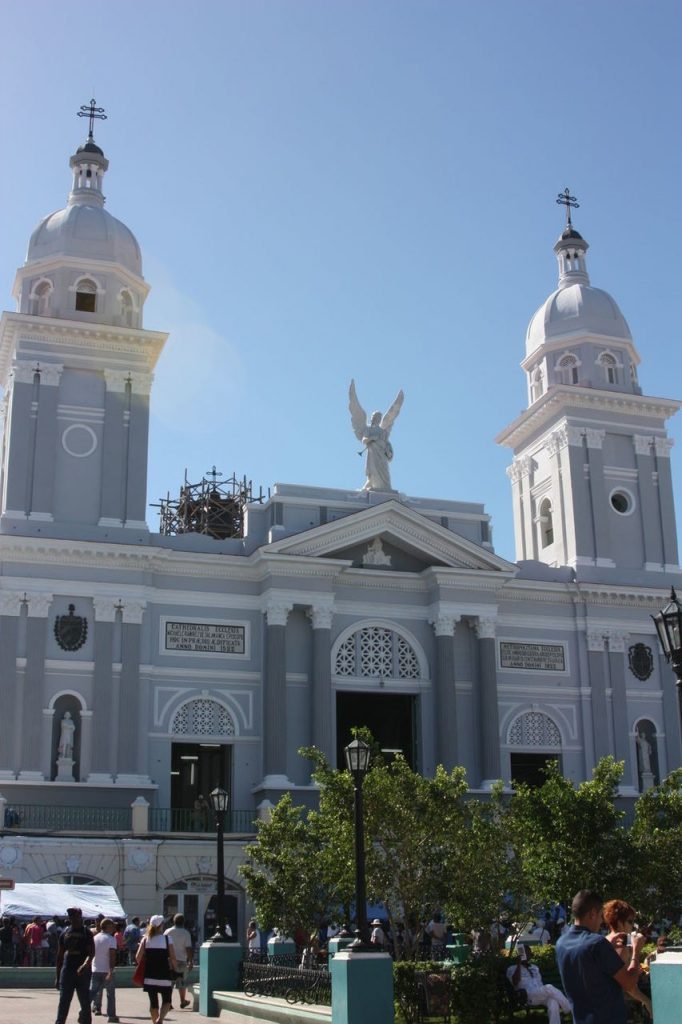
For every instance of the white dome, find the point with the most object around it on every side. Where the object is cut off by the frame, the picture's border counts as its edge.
(576, 309)
(86, 232)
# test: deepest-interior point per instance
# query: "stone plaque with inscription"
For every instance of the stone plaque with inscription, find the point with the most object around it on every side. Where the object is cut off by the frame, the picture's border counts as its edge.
(204, 637)
(532, 657)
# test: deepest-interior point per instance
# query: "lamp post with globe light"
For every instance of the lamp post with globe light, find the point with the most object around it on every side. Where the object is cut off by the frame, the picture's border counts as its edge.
(219, 801)
(357, 755)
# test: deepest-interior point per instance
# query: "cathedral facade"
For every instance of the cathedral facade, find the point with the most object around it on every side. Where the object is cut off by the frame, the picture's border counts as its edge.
(140, 669)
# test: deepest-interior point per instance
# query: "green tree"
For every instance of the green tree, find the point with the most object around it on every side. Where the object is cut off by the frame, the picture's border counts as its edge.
(567, 838)
(657, 840)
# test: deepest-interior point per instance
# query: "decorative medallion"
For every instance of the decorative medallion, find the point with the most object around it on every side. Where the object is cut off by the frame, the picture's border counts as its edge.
(71, 631)
(140, 859)
(9, 856)
(641, 661)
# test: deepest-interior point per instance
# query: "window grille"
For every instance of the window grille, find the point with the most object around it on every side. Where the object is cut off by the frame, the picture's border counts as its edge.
(375, 652)
(203, 717)
(534, 729)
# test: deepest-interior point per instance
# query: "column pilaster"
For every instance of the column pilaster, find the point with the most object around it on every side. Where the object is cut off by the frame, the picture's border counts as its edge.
(34, 686)
(487, 702)
(619, 704)
(10, 609)
(445, 696)
(47, 430)
(274, 694)
(101, 731)
(321, 618)
(601, 714)
(128, 766)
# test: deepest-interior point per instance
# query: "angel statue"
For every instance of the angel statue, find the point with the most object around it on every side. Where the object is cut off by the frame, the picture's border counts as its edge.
(374, 436)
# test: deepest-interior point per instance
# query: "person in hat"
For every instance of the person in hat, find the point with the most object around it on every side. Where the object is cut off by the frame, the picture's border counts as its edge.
(378, 936)
(160, 967)
(75, 954)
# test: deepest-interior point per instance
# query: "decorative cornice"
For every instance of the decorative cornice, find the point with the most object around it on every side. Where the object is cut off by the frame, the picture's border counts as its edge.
(321, 616)
(519, 468)
(663, 446)
(595, 641)
(526, 426)
(39, 605)
(643, 443)
(277, 610)
(616, 640)
(11, 602)
(595, 438)
(485, 628)
(444, 625)
(117, 380)
(24, 371)
(133, 611)
(105, 609)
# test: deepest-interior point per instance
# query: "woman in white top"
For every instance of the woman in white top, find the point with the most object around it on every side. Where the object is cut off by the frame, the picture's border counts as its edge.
(159, 961)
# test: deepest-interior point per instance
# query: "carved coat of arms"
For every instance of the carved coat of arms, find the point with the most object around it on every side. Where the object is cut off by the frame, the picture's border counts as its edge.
(71, 631)
(641, 661)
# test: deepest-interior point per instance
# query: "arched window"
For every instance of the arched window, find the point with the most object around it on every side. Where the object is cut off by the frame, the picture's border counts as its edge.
(536, 386)
(546, 523)
(86, 296)
(534, 729)
(567, 368)
(40, 299)
(377, 652)
(127, 309)
(203, 717)
(610, 366)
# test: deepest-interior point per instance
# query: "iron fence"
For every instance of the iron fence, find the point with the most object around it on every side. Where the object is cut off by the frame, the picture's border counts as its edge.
(270, 977)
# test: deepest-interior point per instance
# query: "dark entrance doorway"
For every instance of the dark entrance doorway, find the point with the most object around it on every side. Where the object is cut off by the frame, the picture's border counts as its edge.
(198, 768)
(528, 767)
(389, 716)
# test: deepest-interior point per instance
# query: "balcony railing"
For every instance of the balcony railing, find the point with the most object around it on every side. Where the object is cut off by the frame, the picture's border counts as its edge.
(53, 818)
(183, 819)
(135, 820)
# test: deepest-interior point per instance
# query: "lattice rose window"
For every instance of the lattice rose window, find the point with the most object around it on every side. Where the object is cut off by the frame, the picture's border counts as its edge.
(534, 730)
(375, 652)
(203, 717)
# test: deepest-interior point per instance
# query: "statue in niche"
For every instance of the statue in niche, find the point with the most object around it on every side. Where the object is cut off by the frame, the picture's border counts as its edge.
(644, 751)
(67, 730)
(374, 436)
(375, 554)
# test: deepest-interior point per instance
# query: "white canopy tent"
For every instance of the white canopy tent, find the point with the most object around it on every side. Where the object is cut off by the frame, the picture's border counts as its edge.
(38, 899)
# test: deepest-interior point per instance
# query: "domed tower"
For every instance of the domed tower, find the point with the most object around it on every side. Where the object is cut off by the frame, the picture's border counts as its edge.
(76, 366)
(591, 475)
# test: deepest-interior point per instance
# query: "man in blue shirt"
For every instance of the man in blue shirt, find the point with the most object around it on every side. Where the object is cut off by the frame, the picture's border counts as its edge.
(592, 973)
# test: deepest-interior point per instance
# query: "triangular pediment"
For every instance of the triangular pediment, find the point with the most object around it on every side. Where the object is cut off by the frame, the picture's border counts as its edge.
(391, 531)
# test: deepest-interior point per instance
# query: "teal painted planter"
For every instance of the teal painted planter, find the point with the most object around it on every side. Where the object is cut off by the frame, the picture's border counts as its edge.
(219, 965)
(362, 988)
(666, 987)
(337, 944)
(458, 954)
(280, 946)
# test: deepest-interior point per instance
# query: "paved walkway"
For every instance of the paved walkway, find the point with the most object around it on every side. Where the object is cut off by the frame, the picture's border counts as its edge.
(39, 1006)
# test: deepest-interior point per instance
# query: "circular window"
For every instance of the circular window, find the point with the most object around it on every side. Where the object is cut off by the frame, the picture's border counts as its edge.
(622, 502)
(79, 440)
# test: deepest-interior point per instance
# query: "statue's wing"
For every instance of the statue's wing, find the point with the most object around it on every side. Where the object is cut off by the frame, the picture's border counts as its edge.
(389, 419)
(358, 416)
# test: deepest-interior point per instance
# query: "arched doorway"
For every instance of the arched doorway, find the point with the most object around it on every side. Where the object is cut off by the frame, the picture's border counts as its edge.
(533, 739)
(201, 759)
(377, 671)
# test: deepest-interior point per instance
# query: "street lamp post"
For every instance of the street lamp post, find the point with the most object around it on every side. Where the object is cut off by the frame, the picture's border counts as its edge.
(357, 759)
(219, 800)
(668, 624)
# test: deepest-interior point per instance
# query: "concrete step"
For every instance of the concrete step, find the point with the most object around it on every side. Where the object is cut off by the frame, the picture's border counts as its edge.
(278, 1010)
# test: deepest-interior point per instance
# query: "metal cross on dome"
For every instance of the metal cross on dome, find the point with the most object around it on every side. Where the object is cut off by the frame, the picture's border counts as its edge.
(92, 111)
(566, 199)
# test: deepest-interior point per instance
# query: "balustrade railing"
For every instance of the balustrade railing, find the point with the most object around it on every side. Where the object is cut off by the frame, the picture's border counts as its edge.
(186, 819)
(60, 818)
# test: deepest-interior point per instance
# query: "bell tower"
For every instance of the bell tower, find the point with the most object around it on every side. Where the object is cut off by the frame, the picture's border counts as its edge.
(591, 480)
(76, 367)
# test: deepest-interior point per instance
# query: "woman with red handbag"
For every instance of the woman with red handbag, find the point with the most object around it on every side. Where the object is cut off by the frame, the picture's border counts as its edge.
(156, 968)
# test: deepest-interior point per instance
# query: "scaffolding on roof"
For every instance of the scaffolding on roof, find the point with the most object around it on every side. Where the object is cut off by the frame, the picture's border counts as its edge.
(213, 507)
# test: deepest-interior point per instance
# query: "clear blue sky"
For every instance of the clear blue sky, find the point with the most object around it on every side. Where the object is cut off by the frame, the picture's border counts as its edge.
(327, 189)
